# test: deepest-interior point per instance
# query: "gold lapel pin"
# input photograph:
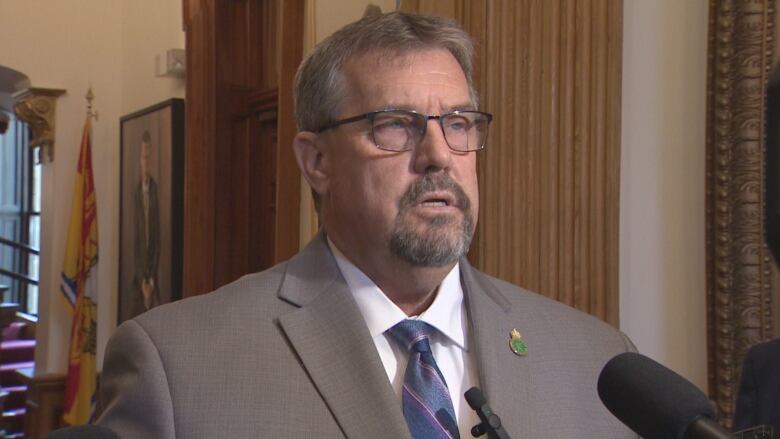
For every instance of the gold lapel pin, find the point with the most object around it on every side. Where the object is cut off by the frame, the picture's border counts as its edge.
(516, 343)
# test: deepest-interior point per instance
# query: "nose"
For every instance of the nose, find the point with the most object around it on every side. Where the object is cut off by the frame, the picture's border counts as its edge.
(433, 153)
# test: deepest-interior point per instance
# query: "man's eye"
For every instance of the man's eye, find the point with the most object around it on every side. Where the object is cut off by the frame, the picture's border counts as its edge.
(391, 123)
(458, 125)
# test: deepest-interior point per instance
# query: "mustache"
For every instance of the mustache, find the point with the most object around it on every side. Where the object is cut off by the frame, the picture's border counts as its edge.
(434, 182)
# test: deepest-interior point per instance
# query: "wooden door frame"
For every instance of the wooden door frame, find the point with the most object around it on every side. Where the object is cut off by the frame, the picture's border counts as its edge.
(206, 94)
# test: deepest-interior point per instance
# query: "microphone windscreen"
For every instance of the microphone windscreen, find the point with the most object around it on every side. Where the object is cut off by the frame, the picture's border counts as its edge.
(652, 400)
(83, 432)
(475, 398)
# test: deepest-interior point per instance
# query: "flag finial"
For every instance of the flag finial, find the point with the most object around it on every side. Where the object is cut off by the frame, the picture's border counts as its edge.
(90, 97)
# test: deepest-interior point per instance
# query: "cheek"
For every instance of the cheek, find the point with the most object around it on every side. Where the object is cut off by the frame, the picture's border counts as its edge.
(475, 205)
(467, 170)
(388, 181)
(472, 190)
(368, 192)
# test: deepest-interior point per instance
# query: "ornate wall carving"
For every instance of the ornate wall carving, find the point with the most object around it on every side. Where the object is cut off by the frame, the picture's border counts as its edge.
(739, 267)
(37, 107)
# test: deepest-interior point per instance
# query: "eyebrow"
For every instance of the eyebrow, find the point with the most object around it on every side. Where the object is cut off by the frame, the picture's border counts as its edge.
(463, 107)
(460, 107)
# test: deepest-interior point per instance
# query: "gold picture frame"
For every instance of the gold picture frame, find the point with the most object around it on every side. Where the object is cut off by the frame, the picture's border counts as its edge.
(739, 265)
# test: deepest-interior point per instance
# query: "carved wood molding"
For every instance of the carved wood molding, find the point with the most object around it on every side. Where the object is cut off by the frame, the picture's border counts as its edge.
(37, 107)
(739, 271)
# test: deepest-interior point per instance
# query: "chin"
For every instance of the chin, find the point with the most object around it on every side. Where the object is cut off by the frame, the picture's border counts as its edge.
(432, 246)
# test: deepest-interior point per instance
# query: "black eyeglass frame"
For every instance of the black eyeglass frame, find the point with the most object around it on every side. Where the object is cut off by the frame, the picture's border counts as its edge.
(372, 114)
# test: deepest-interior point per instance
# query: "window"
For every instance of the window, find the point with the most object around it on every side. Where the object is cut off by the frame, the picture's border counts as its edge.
(20, 207)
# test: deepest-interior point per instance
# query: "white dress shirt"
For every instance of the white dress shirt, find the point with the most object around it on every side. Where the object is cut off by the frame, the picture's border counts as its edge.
(449, 345)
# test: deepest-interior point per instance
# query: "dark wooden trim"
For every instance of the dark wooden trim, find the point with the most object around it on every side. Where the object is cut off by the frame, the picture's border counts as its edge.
(260, 46)
(289, 179)
(45, 401)
(260, 101)
(201, 125)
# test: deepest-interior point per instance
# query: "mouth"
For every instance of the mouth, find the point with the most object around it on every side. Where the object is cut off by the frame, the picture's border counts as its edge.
(437, 199)
(436, 195)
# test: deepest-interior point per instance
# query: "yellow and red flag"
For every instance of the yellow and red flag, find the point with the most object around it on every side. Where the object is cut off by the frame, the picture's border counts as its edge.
(79, 287)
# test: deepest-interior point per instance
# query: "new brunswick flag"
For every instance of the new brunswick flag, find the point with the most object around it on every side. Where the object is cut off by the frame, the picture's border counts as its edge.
(78, 285)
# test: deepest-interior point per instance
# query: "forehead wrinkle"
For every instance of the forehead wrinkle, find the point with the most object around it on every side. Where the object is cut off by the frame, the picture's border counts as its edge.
(364, 95)
(405, 95)
(431, 104)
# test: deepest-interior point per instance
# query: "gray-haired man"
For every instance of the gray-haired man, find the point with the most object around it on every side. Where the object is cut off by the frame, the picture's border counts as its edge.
(377, 328)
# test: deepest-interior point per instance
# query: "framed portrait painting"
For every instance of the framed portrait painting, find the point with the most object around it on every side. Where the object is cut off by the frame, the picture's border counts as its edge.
(150, 209)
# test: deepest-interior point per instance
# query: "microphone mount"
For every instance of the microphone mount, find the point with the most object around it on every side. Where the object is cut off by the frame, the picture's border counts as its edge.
(491, 423)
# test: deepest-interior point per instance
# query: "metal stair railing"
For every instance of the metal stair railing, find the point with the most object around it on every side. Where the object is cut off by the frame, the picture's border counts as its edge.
(24, 248)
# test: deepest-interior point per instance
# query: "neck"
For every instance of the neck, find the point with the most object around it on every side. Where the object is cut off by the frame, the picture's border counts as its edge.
(412, 288)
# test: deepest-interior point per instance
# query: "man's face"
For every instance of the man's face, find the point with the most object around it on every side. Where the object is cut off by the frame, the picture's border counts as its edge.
(417, 206)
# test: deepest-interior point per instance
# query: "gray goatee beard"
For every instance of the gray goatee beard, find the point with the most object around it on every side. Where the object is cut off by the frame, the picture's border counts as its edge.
(445, 239)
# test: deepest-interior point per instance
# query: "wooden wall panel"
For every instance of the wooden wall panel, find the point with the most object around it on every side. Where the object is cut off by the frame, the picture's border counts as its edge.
(241, 59)
(549, 178)
(289, 178)
(248, 36)
(44, 402)
(200, 122)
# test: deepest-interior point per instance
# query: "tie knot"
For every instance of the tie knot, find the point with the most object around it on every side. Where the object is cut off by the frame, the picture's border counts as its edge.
(413, 335)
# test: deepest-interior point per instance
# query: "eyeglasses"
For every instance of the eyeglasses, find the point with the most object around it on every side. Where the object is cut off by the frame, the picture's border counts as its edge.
(402, 130)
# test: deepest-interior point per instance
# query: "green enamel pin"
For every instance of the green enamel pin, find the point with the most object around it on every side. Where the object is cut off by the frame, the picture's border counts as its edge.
(516, 343)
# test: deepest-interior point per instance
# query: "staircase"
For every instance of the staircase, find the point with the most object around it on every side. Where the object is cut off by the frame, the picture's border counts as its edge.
(16, 352)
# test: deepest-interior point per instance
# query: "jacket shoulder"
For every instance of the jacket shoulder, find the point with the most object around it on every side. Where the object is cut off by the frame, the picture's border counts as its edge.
(238, 300)
(554, 318)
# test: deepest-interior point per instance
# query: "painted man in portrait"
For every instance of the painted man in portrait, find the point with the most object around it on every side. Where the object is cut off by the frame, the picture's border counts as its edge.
(146, 231)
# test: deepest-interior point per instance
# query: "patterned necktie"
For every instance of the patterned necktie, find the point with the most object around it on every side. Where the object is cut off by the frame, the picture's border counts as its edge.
(426, 399)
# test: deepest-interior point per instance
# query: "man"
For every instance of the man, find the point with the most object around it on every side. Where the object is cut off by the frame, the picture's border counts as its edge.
(377, 328)
(146, 242)
(758, 401)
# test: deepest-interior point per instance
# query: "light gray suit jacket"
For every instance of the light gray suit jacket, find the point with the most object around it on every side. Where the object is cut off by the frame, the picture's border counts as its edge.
(286, 354)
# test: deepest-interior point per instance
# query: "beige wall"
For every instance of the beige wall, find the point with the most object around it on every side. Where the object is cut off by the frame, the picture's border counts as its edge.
(331, 15)
(149, 27)
(71, 44)
(662, 241)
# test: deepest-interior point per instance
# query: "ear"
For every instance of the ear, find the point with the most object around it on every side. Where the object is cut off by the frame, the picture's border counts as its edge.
(312, 161)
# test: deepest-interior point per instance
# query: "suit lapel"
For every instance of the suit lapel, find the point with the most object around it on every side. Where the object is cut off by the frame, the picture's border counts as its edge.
(503, 376)
(330, 337)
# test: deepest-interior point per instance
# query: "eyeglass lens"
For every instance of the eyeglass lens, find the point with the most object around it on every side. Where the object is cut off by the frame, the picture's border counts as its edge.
(403, 130)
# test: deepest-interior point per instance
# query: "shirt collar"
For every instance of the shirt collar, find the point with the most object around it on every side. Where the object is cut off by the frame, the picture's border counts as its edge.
(446, 313)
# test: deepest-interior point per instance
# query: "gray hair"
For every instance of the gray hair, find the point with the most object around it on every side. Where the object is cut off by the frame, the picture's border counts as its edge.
(319, 83)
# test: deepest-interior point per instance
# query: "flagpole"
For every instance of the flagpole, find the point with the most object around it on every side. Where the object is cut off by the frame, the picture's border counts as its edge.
(79, 286)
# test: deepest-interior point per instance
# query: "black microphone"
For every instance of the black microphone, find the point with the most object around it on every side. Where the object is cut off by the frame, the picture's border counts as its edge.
(491, 423)
(83, 432)
(656, 402)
